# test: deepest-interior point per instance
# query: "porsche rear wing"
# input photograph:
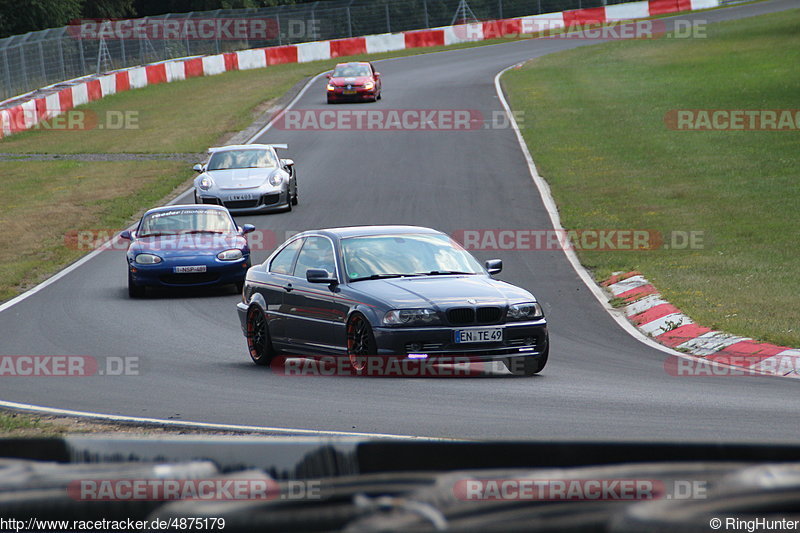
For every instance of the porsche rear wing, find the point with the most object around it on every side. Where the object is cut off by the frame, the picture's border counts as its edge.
(246, 146)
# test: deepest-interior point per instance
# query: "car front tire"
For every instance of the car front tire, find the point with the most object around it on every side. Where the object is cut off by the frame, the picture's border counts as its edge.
(360, 342)
(526, 365)
(258, 341)
(134, 290)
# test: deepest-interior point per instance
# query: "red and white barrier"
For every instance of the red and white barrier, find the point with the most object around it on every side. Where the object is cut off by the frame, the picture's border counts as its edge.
(657, 318)
(26, 114)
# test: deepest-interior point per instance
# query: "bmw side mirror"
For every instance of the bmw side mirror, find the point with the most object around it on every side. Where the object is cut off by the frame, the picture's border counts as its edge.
(314, 275)
(329, 75)
(198, 167)
(248, 228)
(126, 235)
(377, 74)
(494, 266)
(287, 162)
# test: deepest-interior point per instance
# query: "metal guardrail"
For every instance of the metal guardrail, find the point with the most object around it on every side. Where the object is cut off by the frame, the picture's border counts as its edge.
(42, 58)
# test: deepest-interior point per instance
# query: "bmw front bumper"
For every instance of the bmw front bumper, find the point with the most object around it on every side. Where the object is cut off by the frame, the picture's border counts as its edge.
(520, 339)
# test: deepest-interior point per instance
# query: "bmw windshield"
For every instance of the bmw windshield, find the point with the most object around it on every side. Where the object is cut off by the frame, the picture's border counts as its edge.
(399, 255)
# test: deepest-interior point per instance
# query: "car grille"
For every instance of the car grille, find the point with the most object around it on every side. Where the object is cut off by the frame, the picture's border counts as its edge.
(467, 315)
(212, 201)
(241, 204)
(461, 315)
(189, 278)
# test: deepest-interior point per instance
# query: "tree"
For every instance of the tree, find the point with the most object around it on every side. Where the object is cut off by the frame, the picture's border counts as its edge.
(22, 16)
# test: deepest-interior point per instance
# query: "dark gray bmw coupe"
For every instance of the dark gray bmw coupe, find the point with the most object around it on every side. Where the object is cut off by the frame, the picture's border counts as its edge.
(388, 292)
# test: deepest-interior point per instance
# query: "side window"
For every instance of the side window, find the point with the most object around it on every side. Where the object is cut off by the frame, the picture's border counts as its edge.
(317, 253)
(282, 263)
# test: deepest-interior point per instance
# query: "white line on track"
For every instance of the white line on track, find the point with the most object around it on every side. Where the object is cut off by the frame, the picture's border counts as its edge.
(205, 425)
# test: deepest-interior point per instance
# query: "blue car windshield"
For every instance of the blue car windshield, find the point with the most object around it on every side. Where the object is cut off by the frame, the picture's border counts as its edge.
(192, 220)
(251, 158)
(377, 256)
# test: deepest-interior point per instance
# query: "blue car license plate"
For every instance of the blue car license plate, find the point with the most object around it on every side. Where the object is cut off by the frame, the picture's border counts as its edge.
(189, 269)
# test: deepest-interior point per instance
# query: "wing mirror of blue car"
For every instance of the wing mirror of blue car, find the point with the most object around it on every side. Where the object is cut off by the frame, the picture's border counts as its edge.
(198, 167)
(126, 235)
(248, 228)
(494, 266)
(314, 275)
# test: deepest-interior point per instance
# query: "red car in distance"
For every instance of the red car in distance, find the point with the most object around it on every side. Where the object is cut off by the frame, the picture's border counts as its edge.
(356, 81)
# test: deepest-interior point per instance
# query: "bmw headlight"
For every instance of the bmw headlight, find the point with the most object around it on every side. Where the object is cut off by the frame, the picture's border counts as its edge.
(369, 85)
(410, 317)
(205, 183)
(524, 311)
(276, 179)
(230, 255)
(147, 259)
(331, 87)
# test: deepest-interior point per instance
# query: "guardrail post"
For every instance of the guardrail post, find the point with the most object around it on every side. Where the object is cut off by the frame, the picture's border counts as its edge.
(388, 20)
(427, 19)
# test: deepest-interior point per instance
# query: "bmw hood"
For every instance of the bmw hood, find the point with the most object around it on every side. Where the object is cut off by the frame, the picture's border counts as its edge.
(186, 245)
(443, 292)
(241, 178)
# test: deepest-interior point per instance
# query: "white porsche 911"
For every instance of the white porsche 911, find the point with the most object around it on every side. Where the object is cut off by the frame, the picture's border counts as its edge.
(247, 178)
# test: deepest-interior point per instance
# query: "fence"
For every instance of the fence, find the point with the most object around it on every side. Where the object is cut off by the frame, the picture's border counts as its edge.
(42, 58)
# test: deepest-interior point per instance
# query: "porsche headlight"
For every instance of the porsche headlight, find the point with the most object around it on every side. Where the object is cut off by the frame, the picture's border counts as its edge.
(147, 259)
(331, 87)
(276, 179)
(410, 317)
(524, 311)
(205, 183)
(369, 85)
(230, 255)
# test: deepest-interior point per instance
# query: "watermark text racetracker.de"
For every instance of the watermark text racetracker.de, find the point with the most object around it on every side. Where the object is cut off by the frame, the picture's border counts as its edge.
(733, 119)
(733, 365)
(599, 489)
(436, 120)
(67, 366)
(553, 28)
(205, 489)
(74, 120)
(578, 239)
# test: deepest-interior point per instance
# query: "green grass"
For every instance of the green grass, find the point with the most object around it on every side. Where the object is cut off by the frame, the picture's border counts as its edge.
(594, 122)
(43, 201)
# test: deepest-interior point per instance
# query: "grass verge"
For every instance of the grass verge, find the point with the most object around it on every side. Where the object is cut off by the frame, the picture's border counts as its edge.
(69, 196)
(594, 120)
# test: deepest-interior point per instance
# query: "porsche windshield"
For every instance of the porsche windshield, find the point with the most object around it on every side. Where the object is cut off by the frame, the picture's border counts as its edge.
(186, 221)
(230, 159)
(405, 255)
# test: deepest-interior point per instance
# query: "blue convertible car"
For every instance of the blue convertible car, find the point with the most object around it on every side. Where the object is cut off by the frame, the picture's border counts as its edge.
(186, 245)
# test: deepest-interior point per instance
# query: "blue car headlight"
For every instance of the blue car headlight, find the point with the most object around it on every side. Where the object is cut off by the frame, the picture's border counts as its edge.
(411, 317)
(230, 255)
(524, 311)
(147, 259)
(205, 183)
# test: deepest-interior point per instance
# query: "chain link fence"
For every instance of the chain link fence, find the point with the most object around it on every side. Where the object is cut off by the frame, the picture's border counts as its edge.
(42, 58)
